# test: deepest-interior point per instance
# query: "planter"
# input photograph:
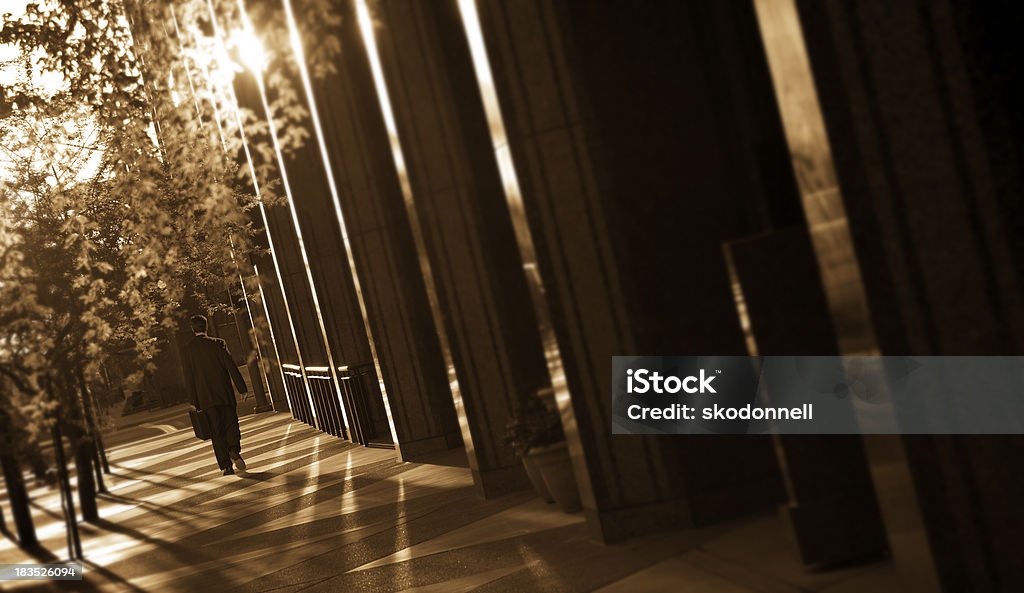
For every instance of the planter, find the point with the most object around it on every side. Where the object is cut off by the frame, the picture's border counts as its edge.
(536, 478)
(556, 468)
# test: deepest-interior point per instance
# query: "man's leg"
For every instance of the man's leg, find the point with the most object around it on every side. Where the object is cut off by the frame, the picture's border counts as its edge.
(233, 436)
(215, 416)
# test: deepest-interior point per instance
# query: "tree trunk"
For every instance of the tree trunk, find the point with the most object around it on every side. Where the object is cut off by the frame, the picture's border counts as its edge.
(97, 466)
(102, 448)
(89, 411)
(18, 496)
(71, 520)
(84, 449)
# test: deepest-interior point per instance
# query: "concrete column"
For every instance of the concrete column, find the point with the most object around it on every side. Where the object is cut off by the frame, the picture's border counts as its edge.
(281, 338)
(395, 293)
(333, 277)
(638, 139)
(927, 220)
(832, 509)
(461, 206)
(293, 284)
(267, 366)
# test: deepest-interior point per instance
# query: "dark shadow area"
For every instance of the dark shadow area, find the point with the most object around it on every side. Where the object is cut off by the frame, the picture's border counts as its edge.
(256, 476)
(109, 575)
(41, 554)
(451, 458)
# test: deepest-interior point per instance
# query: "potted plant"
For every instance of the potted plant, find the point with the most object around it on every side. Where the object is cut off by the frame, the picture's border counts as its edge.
(535, 434)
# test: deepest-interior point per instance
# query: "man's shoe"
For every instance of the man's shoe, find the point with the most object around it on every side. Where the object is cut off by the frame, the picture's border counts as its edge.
(239, 462)
(228, 471)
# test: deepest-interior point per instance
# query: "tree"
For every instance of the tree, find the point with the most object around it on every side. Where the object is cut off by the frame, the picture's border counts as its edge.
(22, 348)
(124, 197)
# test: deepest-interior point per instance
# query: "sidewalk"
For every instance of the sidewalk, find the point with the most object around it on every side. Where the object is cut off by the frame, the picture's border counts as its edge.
(315, 513)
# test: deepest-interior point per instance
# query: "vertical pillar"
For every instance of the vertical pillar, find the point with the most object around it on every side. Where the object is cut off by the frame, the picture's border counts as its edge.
(912, 174)
(237, 98)
(395, 293)
(273, 308)
(622, 185)
(458, 198)
(832, 510)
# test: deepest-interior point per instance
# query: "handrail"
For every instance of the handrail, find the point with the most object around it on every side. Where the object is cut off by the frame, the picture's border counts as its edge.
(355, 390)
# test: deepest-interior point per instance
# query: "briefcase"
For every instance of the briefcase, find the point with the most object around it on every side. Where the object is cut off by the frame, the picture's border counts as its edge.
(200, 424)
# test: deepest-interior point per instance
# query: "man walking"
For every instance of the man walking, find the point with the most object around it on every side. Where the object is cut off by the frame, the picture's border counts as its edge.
(209, 372)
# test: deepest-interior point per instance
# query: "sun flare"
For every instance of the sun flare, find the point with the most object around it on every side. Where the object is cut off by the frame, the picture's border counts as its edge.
(249, 49)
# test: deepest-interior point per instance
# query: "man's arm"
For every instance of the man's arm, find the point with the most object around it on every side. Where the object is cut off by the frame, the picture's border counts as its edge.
(229, 364)
(190, 379)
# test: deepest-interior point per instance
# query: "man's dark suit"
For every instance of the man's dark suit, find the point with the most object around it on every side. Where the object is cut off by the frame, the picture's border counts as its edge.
(209, 372)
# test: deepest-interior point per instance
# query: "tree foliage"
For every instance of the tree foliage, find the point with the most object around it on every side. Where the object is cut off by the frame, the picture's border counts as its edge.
(125, 194)
(22, 344)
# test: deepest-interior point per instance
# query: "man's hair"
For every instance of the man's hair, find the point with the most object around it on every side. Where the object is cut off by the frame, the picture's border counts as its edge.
(198, 323)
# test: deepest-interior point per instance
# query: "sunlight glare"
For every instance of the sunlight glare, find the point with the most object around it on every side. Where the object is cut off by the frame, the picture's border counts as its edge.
(249, 48)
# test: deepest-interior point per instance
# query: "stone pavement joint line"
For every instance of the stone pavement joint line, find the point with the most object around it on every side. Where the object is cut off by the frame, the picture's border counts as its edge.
(315, 513)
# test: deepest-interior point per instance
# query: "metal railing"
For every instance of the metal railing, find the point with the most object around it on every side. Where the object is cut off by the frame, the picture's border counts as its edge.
(355, 413)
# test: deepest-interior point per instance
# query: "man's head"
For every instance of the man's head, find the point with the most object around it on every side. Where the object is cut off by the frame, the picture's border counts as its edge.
(198, 323)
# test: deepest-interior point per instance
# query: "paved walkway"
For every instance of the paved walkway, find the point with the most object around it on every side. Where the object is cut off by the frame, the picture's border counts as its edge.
(315, 513)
